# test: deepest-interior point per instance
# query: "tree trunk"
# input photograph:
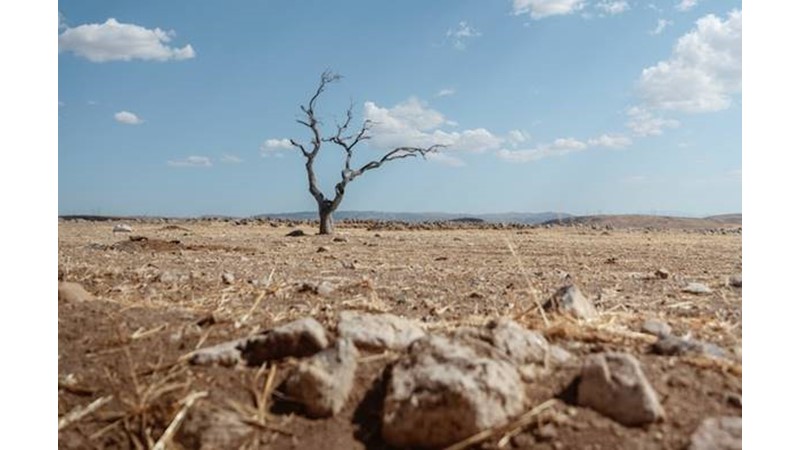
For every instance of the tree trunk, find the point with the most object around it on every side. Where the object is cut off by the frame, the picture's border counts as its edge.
(325, 220)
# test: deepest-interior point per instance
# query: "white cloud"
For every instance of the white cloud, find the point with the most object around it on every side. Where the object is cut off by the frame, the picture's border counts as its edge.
(446, 92)
(274, 145)
(703, 72)
(643, 123)
(191, 161)
(539, 9)
(412, 123)
(516, 137)
(610, 141)
(613, 6)
(562, 146)
(230, 159)
(115, 41)
(559, 147)
(686, 5)
(660, 26)
(128, 118)
(459, 36)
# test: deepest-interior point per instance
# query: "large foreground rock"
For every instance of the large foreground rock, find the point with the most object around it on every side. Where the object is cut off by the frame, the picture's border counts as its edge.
(570, 300)
(300, 338)
(445, 390)
(378, 331)
(614, 385)
(519, 344)
(323, 382)
(718, 433)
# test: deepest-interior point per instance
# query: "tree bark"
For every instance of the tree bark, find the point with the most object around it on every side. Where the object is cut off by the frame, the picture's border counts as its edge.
(325, 219)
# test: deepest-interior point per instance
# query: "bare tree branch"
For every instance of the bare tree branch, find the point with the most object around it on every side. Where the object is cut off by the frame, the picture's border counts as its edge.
(349, 175)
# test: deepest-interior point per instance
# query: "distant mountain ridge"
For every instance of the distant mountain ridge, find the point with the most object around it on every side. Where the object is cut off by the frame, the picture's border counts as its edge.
(513, 217)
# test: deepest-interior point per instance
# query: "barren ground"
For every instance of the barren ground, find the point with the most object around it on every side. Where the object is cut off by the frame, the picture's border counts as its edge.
(160, 298)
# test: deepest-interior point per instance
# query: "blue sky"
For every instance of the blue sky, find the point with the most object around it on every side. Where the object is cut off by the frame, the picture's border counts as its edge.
(183, 108)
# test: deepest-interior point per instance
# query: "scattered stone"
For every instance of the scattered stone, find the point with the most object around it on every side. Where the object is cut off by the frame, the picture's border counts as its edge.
(697, 288)
(523, 440)
(122, 228)
(228, 278)
(339, 239)
(662, 273)
(548, 432)
(681, 346)
(656, 328)
(300, 338)
(206, 320)
(296, 233)
(323, 249)
(718, 433)
(168, 277)
(73, 292)
(378, 331)
(226, 354)
(735, 280)
(444, 391)
(323, 382)
(323, 288)
(570, 300)
(614, 385)
(216, 429)
(734, 400)
(303, 337)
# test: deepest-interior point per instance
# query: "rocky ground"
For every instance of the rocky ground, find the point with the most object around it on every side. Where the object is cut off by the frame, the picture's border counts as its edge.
(212, 334)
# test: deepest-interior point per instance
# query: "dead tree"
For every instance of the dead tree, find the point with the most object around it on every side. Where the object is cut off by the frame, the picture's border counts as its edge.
(347, 142)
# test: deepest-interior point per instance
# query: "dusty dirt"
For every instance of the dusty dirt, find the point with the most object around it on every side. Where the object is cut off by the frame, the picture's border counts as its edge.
(161, 297)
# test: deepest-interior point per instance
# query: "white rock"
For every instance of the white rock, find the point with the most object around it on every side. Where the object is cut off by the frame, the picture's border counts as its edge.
(323, 382)
(73, 292)
(122, 228)
(614, 385)
(697, 288)
(300, 338)
(378, 331)
(521, 345)
(569, 299)
(718, 433)
(444, 391)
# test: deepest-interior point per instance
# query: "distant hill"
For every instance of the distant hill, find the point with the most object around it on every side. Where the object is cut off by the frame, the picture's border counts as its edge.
(525, 218)
(649, 221)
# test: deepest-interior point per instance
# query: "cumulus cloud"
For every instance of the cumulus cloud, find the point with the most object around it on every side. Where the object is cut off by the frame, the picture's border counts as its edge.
(230, 159)
(115, 41)
(128, 118)
(643, 123)
(446, 92)
(686, 5)
(539, 9)
(460, 35)
(559, 147)
(562, 146)
(612, 7)
(273, 145)
(191, 161)
(413, 123)
(703, 72)
(516, 137)
(610, 141)
(660, 26)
